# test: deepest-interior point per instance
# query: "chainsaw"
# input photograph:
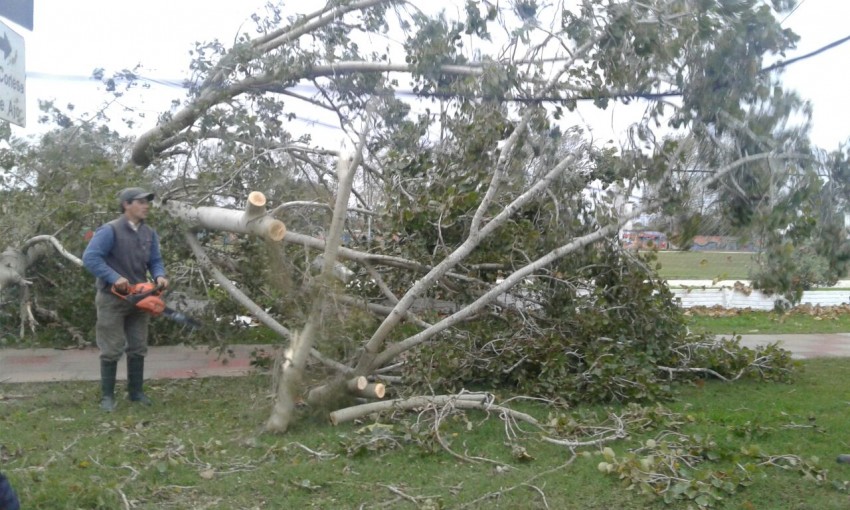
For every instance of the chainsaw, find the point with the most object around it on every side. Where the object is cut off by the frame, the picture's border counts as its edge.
(147, 296)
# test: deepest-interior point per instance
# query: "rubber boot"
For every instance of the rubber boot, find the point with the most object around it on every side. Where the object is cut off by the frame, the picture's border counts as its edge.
(108, 369)
(135, 379)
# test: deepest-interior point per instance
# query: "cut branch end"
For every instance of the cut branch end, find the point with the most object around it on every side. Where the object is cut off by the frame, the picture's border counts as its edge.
(277, 230)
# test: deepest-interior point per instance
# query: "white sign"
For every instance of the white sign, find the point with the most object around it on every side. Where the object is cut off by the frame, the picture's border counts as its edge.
(13, 77)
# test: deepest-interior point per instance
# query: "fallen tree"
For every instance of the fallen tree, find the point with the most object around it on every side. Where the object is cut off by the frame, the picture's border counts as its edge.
(14, 266)
(487, 190)
(491, 215)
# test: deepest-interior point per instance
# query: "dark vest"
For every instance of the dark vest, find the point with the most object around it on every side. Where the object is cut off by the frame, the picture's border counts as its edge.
(131, 251)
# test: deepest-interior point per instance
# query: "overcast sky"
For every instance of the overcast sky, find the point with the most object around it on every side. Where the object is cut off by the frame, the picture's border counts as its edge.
(72, 38)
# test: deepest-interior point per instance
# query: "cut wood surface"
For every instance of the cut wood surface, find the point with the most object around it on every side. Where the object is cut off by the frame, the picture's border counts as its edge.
(253, 220)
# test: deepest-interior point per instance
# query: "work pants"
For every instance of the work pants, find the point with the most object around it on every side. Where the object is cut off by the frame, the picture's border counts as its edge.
(121, 327)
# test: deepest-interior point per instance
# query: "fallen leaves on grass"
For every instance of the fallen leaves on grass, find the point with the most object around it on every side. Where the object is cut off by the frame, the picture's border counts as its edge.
(817, 311)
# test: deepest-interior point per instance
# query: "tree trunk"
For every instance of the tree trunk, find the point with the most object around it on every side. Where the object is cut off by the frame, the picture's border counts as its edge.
(292, 367)
(13, 267)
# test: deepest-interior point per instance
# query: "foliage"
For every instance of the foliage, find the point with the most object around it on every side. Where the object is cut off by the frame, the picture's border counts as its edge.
(64, 185)
(792, 212)
(813, 249)
(600, 336)
(727, 359)
(672, 467)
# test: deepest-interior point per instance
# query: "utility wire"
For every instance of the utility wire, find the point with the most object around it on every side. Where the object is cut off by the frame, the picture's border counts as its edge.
(182, 84)
(786, 63)
(792, 12)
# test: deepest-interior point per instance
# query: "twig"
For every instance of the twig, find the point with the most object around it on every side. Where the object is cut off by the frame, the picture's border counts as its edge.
(124, 499)
(692, 370)
(797, 426)
(133, 470)
(4, 397)
(318, 455)
(497, 494)
(542, 494)
(618, 433)
(391, 502)
(438, 418)
(400, 493)
(68, 446)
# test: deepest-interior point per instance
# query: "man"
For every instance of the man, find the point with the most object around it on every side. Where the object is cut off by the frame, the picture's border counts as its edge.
(122, 253)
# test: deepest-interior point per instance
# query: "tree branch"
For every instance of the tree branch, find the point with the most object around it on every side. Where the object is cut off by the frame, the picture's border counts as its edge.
(235, 293)
(56, 244)
(371, 349)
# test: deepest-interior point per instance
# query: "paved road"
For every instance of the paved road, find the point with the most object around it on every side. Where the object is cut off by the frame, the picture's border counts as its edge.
(177, 362)
(804, 346)
(171, 362)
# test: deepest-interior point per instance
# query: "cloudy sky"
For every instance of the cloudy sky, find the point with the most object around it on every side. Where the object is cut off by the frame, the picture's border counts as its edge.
(72, 38)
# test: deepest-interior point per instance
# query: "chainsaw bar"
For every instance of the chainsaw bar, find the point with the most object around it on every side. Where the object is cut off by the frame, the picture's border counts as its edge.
(146, 297)
(181, 318)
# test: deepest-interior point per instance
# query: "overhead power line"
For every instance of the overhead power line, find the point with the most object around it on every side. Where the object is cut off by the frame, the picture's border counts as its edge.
(183, 84)
(792, 12)
(786, 63)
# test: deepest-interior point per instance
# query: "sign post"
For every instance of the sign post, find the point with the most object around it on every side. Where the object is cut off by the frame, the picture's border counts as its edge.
(13, 77)
(19, 11)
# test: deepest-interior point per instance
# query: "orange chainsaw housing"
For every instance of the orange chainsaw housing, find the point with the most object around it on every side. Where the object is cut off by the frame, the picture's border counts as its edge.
(144, 296)
(151, 304)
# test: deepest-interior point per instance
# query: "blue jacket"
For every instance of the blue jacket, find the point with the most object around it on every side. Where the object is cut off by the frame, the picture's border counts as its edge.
(8, 498)
(109, 260)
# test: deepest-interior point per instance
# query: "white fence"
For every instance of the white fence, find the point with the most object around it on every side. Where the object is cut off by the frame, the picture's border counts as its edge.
(728, 297)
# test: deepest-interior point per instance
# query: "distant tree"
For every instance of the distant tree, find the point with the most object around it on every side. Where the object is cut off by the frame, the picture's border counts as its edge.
(802, 231)
(54, 192)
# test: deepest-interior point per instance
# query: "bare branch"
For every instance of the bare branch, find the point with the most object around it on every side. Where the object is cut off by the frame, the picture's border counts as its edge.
(56, 244)
(461, 401)
(235, 293)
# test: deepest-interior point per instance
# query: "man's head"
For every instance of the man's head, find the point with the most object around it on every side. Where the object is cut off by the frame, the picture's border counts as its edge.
(135, 203)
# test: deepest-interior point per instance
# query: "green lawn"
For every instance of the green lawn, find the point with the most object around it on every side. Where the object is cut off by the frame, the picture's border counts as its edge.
(695, 265)
(742, 322)
(202, 446)
(735, 266)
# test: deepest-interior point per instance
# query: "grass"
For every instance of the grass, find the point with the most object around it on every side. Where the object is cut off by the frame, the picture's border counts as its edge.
(693, 265)
(703, 265)
(799, 321)
(201, 446)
